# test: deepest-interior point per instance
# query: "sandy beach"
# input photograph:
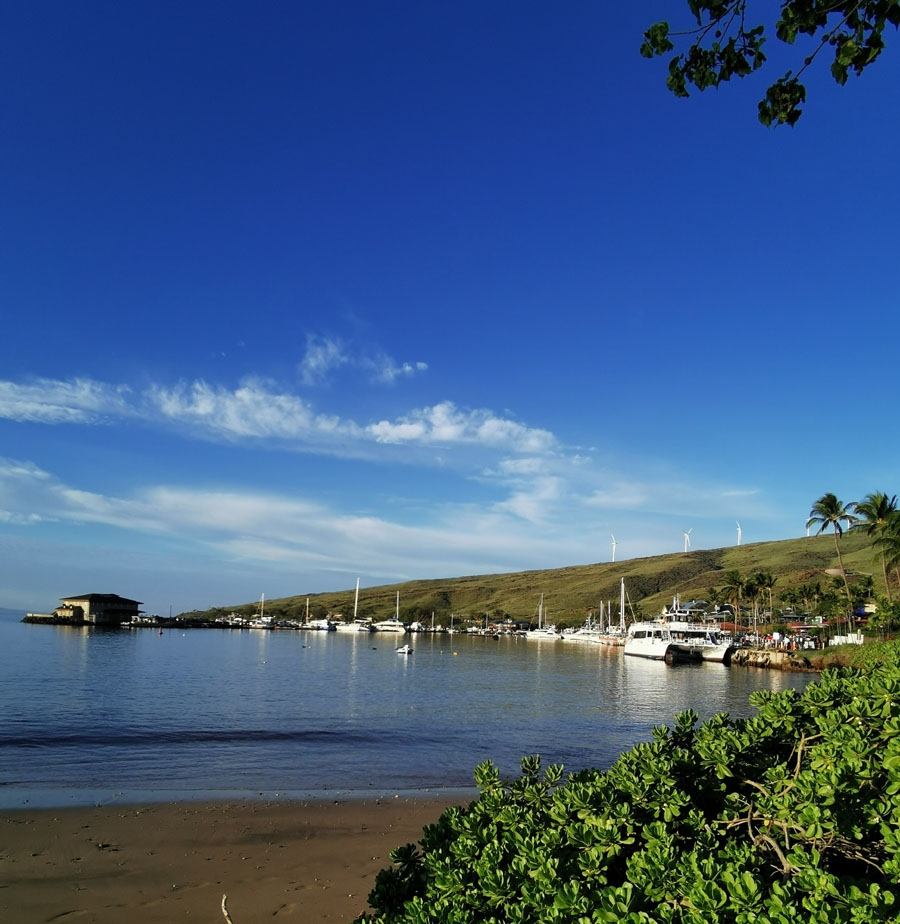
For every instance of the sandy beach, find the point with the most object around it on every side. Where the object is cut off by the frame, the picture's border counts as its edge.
(155, 864)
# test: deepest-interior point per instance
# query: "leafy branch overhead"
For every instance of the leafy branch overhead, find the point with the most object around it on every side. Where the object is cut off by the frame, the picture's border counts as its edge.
(724, 45)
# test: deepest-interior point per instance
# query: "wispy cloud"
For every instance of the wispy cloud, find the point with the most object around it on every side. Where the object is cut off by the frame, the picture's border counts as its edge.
(323, 356)
(326, 355)
(56, 401)
(662, 495)
(384, 369)
(257, 411)
(296, 531)
(254, 410)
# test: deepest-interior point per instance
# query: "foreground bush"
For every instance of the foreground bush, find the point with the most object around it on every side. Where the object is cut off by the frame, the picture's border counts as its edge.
(790, 816)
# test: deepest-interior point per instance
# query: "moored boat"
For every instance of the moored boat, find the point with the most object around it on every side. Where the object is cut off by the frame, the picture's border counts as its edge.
(394, 624)
(653, 640)
(676, 641)
(543, 632)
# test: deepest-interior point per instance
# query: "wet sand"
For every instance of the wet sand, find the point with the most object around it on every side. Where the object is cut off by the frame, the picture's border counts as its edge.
(156, 864)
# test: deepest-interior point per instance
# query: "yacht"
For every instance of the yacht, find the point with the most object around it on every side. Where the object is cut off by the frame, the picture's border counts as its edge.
(323, 625)
(391, 625)
(358, 625)
(590, 633)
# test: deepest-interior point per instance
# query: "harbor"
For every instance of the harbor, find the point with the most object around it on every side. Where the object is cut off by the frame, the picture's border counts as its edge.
(114, 716)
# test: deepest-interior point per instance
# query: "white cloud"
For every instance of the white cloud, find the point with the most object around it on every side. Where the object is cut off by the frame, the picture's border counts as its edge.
(446, 424)
(384, 369)
(323, 356)
(252, 411)
(57, 401)
(536, 502)
(248, 526)
(256, 410)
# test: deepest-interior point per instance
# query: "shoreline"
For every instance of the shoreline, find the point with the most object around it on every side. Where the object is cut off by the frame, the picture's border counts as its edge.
(155, 863)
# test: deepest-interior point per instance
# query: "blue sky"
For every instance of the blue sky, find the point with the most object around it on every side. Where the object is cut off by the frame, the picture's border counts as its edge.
(297, 293)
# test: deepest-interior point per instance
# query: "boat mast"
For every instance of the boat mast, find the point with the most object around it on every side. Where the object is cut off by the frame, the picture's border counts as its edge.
(307, 609)
(356, 600)
(262, 605)
(540, 610)
(398, 606)
(622, 604)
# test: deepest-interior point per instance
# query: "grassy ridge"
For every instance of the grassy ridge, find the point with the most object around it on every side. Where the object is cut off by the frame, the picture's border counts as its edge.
(571, 593)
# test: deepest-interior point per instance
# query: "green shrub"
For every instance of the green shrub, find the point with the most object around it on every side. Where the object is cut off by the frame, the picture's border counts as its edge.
(790, 816)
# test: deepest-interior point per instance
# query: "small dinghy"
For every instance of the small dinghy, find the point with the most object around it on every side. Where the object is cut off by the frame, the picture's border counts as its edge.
(404, 649)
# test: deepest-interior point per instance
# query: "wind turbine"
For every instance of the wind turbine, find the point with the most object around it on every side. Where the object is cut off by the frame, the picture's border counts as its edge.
(739, 532)
(687, 538)
(613, 546)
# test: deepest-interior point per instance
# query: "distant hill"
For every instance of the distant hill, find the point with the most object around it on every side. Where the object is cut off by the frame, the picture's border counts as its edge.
(571, 593)
(6, 611)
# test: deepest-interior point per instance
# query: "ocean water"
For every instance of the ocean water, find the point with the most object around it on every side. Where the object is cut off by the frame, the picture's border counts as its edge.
(93, 716)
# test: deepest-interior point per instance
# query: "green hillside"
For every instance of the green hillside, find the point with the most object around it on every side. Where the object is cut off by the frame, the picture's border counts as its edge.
(571, 593)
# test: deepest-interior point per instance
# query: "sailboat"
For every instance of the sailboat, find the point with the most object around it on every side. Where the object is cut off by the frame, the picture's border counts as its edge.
(542, 631)
(363, 624)
(392, 625)
(261, 621)
(615, 635)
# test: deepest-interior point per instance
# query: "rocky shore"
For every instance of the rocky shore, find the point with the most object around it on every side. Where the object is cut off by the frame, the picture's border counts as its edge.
(772, 658)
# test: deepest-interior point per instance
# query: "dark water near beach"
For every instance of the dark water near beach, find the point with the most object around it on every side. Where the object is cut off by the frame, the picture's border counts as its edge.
(98, 716)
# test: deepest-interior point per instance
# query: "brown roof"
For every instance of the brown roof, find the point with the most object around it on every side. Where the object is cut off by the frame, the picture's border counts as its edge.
(105, 598)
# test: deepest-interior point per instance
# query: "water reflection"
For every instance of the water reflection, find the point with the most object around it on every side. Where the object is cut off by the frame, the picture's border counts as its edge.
(243, 710)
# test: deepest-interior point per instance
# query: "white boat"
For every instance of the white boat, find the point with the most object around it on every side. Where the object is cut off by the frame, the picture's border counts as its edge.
(589, 633)
(595, 632)
(404, 650)
(673, 641)
(708, 639)
(392, 625)
(261, 621)
(358, 625)
(543, 632)
(614, 636)
(322, 625)
(710, 642)
(652, 640)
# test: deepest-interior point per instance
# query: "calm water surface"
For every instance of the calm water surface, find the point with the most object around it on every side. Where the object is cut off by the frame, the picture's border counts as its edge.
(98, 716)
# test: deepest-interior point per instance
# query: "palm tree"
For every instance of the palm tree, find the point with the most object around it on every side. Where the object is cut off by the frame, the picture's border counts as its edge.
(732, 589)
(751, 593)
(875, 511)
(789, 597)
(766, 581)
(888, 543)
(829, 511)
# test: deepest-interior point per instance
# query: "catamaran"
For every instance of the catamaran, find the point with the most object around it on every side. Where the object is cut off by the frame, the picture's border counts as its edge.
(674, 640)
